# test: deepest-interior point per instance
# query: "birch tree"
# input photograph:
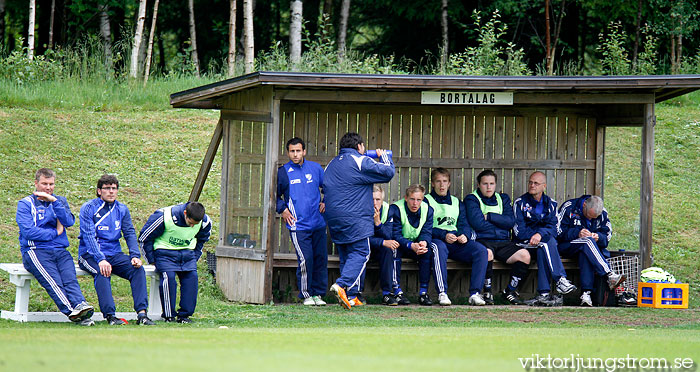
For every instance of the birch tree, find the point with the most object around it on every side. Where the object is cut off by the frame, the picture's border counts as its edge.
(232, 39)
(138, 35)
(52, 15)
(149, 53)
(105, 34)
(193, 37)
(295, 8)
(248, 45)
(343, 28)
(30, 31)
(445, 40)
(2, 22)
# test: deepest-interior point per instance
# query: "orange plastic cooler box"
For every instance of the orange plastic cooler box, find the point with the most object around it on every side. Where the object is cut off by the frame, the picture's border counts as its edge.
(663, 295)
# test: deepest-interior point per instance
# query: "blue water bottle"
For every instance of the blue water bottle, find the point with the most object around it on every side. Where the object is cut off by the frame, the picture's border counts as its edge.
(373, 153)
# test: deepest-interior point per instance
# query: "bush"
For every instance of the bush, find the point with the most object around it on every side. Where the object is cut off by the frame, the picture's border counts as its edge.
(615, 60)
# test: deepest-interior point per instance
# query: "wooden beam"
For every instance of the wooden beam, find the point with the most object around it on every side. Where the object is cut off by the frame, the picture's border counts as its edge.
(207, 162)
(600, 162)
(646, 209)
(347, 96)
(240, 253)
(581, 98)
(269, 194)
(243, 115)
(608, 121)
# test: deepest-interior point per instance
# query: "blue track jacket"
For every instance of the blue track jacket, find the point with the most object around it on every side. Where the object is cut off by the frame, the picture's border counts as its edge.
(570, 222)
(298, 190)
(102, 224)
(462, 224)
(426, 232)
(347, 191)
(382, 232)
(36, 220)
(528, 222)
(495, 226)
(155, 227)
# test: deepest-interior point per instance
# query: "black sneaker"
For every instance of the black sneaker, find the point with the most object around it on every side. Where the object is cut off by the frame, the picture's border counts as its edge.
(488, 298)
(113, 320)
(145, 321)
(402, 300)
(541, 300)
(425, 300)
(513, 297)
(169, 320)
(389, 300)
(185, 320)
(85, 322)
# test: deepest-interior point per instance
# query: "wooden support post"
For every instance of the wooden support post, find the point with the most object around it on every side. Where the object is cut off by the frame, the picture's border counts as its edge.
(269, 205)
(207, 162)
(600, 162)
(647, 187)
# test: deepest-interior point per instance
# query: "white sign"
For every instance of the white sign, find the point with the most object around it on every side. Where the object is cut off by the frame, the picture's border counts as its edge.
(466, 98)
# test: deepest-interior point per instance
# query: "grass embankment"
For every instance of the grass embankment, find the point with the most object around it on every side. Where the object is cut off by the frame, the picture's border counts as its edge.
(83, 130)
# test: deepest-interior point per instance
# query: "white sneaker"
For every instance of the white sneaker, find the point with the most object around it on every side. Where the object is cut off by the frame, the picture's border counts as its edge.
(615, 280)
(309, 301)
(318, 301)
(586, 299)
(476, 300)
(443, 299)
(564, 286)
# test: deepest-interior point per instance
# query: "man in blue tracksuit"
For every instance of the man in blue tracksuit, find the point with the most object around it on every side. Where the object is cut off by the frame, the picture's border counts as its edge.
(584, 232)
(536, 229)
(42, 218)
(384, 250)
(103, 220)
(412, 226)
(454, 238)
(347, 190)
(172, 239)
(490, 214)
(299, 203)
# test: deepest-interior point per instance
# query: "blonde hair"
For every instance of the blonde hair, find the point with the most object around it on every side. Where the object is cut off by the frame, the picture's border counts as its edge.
(415, 188)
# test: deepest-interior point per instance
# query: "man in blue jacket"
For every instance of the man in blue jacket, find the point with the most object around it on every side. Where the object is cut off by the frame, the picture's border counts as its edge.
(536, 229)
(584, 233)
(454, 237)
(103, 220)
(172, 239)
(42, 218)
(299, 203)
(412, 227)
(490, 214)
(347, 190)
(384, 250)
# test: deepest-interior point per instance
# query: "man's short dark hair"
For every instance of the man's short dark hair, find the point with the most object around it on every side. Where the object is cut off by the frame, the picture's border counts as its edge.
(296, 141)
(486, 173)
(46, 172)
(440, 170)
(195, 211)
(107, 179)
(351, 140)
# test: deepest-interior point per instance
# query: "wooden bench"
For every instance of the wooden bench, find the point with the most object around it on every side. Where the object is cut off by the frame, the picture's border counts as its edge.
(20, 277)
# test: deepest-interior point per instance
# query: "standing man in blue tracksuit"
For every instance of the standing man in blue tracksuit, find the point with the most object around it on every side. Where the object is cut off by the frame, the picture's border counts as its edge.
(347, 189)
(412, 226)
(103, 220)
(491, 216)
(172, 239)
(384, 250)
(584, 232)
(42, 218)
(536, 229)
(299, 203)
(454, 238)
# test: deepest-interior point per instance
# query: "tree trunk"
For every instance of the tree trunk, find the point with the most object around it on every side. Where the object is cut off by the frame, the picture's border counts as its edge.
(445, 41)
(679, 53)
(2, 23)
(343, 28)
(295, 9)
(149, 53)
(249, 44)
(30, 30)
(548, 39)
(53, 15)
(557, 32)
(138, 35)
(106, 35)
(638, 26)
(673, 54)
(161, 53)
(328, 8)
(193, 37)
(232, 40)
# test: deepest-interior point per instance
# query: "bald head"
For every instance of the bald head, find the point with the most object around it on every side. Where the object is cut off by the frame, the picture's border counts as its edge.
(536, 185)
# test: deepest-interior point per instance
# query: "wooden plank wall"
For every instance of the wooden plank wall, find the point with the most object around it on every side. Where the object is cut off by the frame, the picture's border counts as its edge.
(562, 143)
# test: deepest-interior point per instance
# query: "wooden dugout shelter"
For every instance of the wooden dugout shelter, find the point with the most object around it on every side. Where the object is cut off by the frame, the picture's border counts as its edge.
(513, 125)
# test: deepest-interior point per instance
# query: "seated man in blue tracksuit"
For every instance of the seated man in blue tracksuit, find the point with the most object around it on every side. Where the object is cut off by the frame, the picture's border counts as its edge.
(455, 238)
(42, 218)
(490, 214)
(383, 249)
(103, 220)
(412, 226)
(584, 232)
(172, 239)
(536, 229)
(347, 190)
(299, 203)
